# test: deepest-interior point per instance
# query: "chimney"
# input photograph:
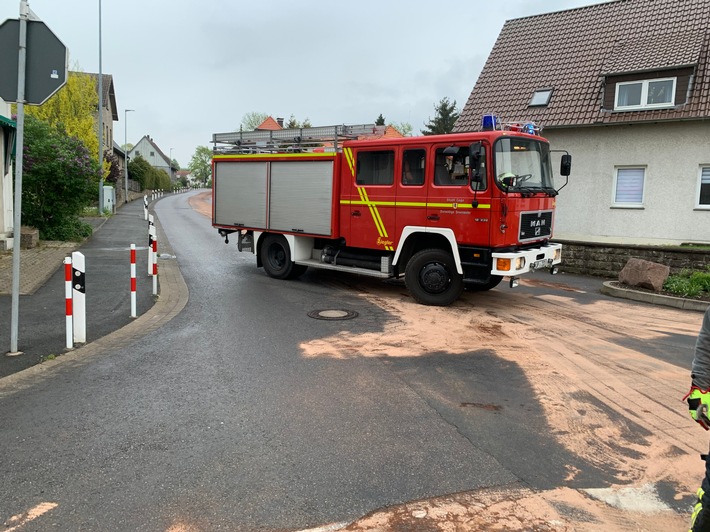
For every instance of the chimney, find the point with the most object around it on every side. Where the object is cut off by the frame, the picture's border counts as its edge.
(280, 122)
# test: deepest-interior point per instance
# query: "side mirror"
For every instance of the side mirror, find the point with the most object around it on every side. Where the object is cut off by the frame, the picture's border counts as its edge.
(566, 165)
(474, 158)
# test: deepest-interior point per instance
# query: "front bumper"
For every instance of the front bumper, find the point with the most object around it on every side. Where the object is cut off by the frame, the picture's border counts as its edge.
(524, 261)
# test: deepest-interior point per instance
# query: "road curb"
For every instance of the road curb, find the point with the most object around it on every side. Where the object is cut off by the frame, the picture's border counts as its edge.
(609, 289)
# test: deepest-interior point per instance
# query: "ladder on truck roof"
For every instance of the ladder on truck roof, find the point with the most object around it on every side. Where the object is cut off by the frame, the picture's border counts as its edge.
(295, 140)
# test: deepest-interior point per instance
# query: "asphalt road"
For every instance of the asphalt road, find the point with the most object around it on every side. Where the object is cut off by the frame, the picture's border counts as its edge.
(220, 420)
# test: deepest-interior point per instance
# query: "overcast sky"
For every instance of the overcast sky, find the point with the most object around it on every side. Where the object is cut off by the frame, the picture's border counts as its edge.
(192, 68)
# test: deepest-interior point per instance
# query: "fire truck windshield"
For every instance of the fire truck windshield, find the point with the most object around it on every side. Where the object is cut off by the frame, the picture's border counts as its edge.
(523, 165)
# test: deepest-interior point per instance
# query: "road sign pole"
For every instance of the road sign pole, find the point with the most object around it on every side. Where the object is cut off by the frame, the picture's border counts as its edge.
(17, 223)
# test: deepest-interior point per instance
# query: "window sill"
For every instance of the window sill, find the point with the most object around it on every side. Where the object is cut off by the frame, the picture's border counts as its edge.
(643, 108)
(702, 208)
(630, 206)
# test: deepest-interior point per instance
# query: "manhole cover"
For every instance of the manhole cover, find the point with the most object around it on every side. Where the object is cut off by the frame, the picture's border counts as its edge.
(334, 314)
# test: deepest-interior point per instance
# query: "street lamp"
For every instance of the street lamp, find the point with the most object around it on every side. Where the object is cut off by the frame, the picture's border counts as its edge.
(170, 167)
(125, 149)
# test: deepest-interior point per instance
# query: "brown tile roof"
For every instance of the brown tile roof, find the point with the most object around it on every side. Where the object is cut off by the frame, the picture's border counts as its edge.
(269, 125)
(571, 51)
(390, 132)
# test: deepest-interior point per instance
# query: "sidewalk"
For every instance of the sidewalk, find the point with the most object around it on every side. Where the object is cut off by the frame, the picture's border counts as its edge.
(41, 308)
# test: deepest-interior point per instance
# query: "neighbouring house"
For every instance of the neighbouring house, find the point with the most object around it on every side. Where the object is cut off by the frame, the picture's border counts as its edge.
(271, 125)
(109, 112)
(624, 86)
(7, 145)
(185, 175)
(149, 150)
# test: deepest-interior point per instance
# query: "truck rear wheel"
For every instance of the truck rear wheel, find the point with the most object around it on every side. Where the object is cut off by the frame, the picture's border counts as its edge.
(432, 279)
(276, 258)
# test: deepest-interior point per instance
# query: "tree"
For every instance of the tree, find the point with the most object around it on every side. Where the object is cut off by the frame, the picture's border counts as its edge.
(253, 120)
(380, 120)
(72, 110)
(114, 171)
(59, 181)
(126, 147)
(139, 170)
(444, 120)
(176, 165)
(201, 164)
(405, 128)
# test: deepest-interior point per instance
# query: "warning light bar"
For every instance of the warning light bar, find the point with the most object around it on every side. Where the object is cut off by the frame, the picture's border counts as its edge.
(493, 123)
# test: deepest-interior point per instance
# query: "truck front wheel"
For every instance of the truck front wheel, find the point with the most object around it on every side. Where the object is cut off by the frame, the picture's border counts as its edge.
(276, 258)
(432, 279)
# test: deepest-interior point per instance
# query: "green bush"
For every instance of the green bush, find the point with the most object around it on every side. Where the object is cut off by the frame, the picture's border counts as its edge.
(73, 230)
(688, 283)
(59, 180)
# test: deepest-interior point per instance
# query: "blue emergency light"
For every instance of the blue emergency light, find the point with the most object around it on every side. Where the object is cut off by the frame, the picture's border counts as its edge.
(489, 123)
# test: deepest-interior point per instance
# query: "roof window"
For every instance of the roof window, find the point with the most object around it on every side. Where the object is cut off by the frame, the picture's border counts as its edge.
(540, 98)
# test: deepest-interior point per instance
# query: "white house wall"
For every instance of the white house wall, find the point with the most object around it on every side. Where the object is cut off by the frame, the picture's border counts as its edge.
(145, 148)
(6, 190)
(672, 155)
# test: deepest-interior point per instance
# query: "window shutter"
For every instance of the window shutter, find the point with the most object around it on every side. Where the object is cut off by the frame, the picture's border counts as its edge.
(629, 185)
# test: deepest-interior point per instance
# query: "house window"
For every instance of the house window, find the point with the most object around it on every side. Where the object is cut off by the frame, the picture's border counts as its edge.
(629, 187)
(375, 168)
(152, 154)
(704, 188)
(540, 97)
(645, 94)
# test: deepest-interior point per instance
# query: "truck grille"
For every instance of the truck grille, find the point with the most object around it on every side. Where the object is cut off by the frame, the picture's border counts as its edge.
(535, 225)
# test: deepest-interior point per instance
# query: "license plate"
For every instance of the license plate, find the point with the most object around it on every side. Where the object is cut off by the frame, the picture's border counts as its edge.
(544, 263)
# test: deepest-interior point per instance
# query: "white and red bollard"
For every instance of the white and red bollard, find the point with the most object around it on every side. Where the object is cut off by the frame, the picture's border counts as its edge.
(145, 206)
(68, 309)
(155, 265)
(151, 237)
(133, 280)
(75, 299)
(79, 297)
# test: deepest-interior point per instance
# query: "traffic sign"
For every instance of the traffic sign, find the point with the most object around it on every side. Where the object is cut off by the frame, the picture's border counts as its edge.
(47, 62)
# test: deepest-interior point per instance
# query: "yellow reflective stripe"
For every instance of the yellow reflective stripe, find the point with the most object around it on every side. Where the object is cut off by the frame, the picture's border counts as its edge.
(375, 213)
(414, 204)
(351, 161)
(273, 155)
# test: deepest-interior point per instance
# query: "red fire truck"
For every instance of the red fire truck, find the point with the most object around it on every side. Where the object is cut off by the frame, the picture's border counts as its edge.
(442, 211)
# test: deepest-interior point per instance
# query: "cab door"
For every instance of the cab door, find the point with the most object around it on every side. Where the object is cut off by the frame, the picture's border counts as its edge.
(372, 198)
(411, 188)
(453, 202)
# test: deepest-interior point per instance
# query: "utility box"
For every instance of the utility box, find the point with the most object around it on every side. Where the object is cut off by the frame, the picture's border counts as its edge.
(109, 200)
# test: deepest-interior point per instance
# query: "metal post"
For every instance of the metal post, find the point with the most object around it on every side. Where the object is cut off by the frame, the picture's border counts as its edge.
(101, 125)
(170, 167)
(125, 148)
(17, 215)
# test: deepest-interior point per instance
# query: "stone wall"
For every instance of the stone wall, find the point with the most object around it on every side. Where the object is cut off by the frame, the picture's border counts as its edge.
(607, 260)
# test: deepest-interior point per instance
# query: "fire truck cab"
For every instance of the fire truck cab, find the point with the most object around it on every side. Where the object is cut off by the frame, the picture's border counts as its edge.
(443, 211)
